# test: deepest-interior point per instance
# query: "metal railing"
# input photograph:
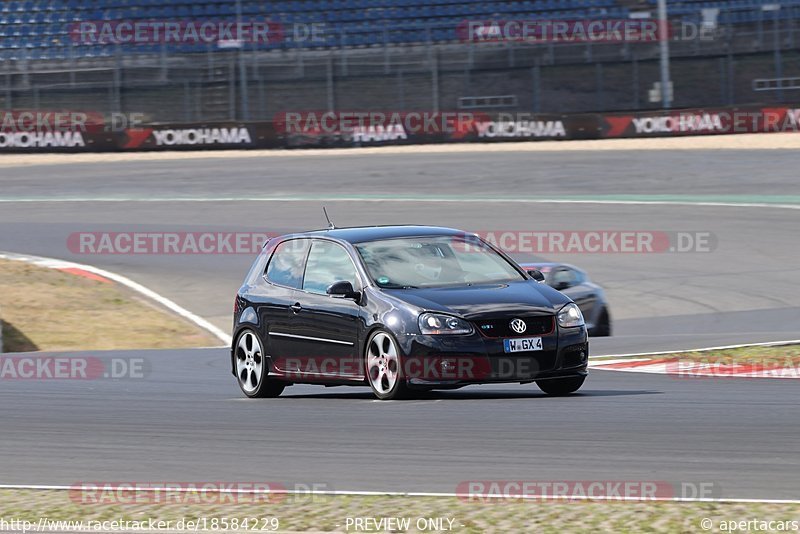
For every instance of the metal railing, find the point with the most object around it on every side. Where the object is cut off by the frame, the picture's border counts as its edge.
(251, 84)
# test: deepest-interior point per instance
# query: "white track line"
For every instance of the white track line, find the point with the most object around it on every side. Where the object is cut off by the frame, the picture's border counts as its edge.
(53, 263)
(413, 199)
(78, 487)
(615, 360)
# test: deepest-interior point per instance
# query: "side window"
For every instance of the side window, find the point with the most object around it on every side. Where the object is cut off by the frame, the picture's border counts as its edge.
(328, 263)
(563, 278)
(286, 266)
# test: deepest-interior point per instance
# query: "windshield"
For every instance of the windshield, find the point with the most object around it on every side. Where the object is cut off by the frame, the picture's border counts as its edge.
(436, 261)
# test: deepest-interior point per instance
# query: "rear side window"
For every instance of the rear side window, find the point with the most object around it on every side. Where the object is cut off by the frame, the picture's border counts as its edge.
(286, 266)
(328, 263)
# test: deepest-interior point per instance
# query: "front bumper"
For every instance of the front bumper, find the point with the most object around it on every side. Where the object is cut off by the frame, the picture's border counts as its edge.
(475, 359)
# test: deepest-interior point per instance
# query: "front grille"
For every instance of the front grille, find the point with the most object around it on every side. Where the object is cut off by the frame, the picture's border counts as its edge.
(535, 326)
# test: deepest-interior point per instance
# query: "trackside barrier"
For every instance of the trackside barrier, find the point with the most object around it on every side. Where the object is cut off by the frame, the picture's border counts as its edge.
(310, 129)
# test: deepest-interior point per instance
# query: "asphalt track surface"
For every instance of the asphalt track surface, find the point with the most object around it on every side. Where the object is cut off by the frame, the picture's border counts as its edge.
(187, 420)
(746, 290)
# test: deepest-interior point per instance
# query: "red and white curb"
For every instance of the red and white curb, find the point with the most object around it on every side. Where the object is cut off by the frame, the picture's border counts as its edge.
(101, 275)
(669, 363)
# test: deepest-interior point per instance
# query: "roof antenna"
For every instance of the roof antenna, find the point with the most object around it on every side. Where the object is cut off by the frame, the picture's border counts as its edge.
(331, 226)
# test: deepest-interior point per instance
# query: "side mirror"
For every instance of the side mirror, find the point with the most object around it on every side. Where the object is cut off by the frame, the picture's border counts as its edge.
(561, 286)
(536, 275)
(344, 290)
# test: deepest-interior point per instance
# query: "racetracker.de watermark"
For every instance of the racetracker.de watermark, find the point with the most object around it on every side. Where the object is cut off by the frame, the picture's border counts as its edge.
(28, 128)
(491, 491)
(598, 31)
(167, 242)
(429, 369)
(207, 31)
(600, 241)
(370, 123)
(71, 368)
(719, 367)
(209, 493)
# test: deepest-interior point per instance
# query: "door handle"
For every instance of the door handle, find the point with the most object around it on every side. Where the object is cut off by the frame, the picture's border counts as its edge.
(296, 307)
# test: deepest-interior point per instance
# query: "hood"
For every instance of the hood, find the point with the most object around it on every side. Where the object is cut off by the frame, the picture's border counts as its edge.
(491, 300)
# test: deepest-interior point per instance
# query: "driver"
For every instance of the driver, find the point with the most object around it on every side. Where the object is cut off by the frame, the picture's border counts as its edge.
(430, 267)
(436, 263)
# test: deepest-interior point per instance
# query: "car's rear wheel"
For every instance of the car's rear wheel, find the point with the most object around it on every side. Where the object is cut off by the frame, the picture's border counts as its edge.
(383, 366)
(561, 386)
(251, 368)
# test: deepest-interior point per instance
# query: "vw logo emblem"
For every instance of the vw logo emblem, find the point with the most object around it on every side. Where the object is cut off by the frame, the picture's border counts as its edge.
(518, 326)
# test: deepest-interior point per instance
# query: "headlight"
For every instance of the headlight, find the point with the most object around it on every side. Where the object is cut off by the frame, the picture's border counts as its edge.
(569, 316)
(437, 323)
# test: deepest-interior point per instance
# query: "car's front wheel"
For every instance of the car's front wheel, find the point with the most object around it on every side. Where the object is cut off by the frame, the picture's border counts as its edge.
(603, 328)
(251, 368)
(383, 367)
(561, 386)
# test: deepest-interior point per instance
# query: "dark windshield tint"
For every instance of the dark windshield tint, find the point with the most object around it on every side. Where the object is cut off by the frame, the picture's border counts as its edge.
(435, 262)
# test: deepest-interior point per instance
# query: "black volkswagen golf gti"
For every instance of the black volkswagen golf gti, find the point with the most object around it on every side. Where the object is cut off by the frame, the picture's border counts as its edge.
(401, 309)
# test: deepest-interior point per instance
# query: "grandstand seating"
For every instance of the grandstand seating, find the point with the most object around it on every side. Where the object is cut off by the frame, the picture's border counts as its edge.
(734, 11)
(39, 29)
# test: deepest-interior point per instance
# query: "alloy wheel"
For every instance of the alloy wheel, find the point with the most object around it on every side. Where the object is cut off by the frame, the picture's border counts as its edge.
(249, 362)
(383, 363)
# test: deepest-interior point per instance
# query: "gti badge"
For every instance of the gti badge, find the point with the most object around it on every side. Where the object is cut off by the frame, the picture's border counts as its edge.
(518, 326)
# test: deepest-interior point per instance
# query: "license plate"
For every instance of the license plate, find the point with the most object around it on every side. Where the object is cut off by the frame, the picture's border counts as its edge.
(523, 344)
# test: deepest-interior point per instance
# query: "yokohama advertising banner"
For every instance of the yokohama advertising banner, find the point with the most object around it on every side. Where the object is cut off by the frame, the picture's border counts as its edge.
(71, 131)
(712, 121)
(194, 136)
(48, 130)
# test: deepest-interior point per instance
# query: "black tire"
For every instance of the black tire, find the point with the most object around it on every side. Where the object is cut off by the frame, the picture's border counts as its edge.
(559, 387)
(252, 370)
(270, 389)
(603, 328)
(399, 389)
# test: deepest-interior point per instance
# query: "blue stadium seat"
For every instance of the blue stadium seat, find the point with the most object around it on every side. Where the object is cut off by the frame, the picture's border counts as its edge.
(41, 26)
